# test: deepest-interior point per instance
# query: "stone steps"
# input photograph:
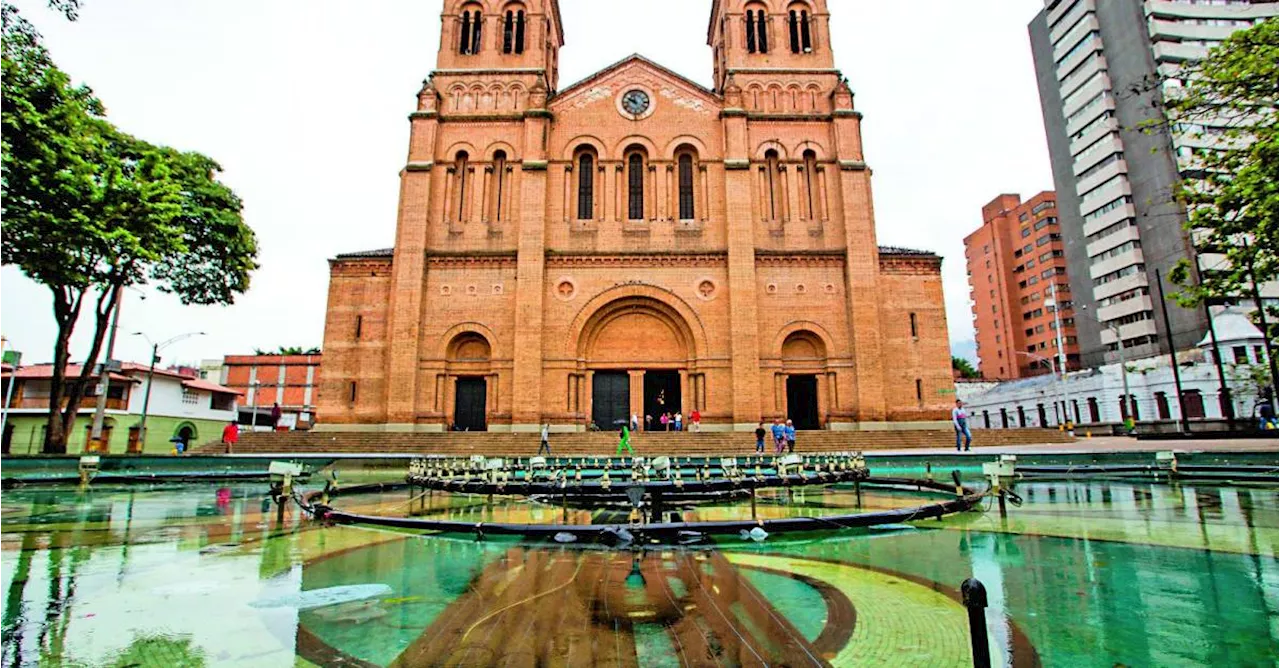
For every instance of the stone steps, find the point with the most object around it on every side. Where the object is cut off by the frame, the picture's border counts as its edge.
(596, 443)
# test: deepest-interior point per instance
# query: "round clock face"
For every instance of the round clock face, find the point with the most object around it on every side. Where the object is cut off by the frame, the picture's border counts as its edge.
(636, 102)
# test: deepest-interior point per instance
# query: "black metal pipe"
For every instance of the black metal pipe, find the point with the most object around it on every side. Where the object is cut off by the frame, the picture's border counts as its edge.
(974, 596)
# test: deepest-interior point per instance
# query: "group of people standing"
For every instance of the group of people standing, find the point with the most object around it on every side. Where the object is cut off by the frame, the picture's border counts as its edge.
(783, 434)
(668, 422)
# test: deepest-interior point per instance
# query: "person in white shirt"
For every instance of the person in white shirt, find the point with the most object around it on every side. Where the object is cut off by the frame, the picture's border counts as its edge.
(546, 440)
(960, 420)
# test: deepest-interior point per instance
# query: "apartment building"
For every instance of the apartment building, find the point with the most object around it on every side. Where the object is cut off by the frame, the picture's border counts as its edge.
(1017, 283)
(1103, 68)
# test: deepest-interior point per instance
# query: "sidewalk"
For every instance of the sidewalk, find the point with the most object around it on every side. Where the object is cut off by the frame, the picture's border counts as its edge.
(1107, 444)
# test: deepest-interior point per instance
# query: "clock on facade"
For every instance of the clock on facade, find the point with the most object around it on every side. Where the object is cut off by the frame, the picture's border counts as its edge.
(635, 102)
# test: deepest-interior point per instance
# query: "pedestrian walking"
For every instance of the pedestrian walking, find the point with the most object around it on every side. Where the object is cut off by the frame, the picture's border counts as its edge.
(666, 422)
(760, 433)
(635, 422)
(679, 421)
(546, 440)
(696, 419)
(789, 431)
(1266, 416)
(275, 416)
(230, 435)
(779, 436)
(960, 420)
(624, 441)
(648, 423)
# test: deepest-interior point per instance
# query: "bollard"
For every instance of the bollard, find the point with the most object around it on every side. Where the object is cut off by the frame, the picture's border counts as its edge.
(974, 597)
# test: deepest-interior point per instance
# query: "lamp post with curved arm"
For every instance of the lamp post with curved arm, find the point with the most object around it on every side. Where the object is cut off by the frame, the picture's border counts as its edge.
(1064, 420)
(151, 371)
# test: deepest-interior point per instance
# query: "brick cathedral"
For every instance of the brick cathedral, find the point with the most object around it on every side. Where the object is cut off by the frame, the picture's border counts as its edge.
(635, 243)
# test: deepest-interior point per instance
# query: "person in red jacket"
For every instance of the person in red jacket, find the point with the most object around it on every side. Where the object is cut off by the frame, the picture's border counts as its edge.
(696, 419)
(230, 435)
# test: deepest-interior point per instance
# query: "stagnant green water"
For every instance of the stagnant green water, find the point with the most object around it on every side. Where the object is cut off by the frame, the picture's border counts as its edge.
(1083, 574)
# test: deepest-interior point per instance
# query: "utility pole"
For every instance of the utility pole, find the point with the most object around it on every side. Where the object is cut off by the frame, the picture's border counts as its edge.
(1052, 302)
(1225, 404)
(8, 393)
(146, 400)
(104, 381)
(1184, 425)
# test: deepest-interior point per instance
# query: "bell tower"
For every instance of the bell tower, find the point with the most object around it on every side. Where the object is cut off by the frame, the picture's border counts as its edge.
(779, 35)
(523, 36)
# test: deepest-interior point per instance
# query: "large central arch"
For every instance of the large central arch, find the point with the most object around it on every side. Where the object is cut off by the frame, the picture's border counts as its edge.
(637, 345)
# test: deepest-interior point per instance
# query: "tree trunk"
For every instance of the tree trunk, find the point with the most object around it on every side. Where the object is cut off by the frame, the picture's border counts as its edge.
(66, 311)
(75, 393)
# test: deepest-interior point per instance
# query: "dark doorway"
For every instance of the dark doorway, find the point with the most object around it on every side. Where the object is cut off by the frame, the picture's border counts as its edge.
(1162, 406)
(1044, 420)
(661, 395)
(610, 400)
(802, 402)
(8, 438)
(470, 402)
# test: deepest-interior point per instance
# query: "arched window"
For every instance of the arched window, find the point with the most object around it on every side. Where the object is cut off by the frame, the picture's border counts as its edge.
(771, 175)
(586, 186)
(635, 186)
(499, 182)
(462, 184)
(686, 187)
(472, 21)
(811, 183)
(751, 31)
(513, 32)
(757, 31)
(801, 37)
(806, 38)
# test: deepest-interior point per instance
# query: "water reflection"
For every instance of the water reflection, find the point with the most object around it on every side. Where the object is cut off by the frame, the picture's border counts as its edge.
(1082, 574)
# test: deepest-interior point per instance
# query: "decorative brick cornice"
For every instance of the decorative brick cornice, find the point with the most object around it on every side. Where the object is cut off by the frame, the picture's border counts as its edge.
(734, 112)
(847, 113)
(362, 267)
(538, 113)
(853, 166)
(419, 166)
(774, 258)
(483, 118)
(929, 265)
(439, 260)
(418, 115)
(645, 260)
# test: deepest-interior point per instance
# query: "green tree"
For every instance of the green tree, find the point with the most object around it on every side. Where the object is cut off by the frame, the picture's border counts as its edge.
(965, 367)
(1228, 101)
(88, 210)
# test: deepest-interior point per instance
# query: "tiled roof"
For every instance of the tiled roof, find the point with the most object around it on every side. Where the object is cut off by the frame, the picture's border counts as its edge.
(381, 252)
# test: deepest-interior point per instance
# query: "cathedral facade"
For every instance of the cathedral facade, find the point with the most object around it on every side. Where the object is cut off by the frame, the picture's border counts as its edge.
(634, 244)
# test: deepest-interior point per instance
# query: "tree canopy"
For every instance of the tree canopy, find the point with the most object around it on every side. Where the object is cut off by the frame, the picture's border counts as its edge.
(89, 209)
(1227, 105)
(965, 367)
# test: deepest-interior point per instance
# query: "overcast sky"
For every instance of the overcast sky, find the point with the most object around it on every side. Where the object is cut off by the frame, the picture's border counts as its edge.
(304, 103)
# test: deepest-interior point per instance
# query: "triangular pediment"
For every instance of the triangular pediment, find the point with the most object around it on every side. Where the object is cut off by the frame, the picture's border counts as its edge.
(637, 70)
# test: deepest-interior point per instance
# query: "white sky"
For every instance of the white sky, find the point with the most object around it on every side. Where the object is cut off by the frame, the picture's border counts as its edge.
(305, 104)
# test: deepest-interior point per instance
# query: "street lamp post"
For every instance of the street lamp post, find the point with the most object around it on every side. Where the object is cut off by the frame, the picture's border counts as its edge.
(1126, 404)
(1062, 385)
(253, 403)
(151, 371)
(1051, 301)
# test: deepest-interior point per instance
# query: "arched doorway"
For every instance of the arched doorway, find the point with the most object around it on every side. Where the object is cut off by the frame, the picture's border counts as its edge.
(804, 361)
(187, 433)
(469, 358)
(638, 353)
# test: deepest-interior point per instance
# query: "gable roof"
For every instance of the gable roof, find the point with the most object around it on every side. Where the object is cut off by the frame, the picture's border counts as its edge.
(635, 57)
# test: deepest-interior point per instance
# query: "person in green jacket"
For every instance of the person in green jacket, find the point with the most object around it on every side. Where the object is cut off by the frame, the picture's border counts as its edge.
(624, 441)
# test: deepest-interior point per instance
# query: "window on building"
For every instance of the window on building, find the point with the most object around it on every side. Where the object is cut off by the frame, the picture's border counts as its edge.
(513, 32)
(586, 186)
(757, 31)
(190, 397)
(1241, 354)
(359, 326)
(635, 186)
(1093, 410)
(1193, 404)
(462, 184)
(351, 388)
(472, 23)
(798, 21)
(499, 182)
(1162, 405)
(1259, 355)
(810, 182)
(919, 390)
(686, 187)
(771, 177)
(915, 333)
(1026, 232)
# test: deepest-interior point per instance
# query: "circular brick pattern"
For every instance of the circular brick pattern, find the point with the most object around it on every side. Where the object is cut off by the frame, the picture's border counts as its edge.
(707, 289)
(471, 290)
(446, 290)
(829, 288)
(497, 288)
(771, 288)
(565, 289)
(801, 289)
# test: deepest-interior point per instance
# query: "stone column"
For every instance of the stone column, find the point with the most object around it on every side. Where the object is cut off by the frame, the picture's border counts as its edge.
(637, 394)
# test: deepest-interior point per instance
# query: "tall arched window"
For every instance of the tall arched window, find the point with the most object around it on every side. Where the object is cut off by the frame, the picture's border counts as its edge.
(751, 32)
(686, 187)
(762, 31)
(811, 182)
(771, 174)
(472, 21)
(513, 32)
(635, 186)
(462, 184)
(499, 182)
(806, 37)
(586, 186)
